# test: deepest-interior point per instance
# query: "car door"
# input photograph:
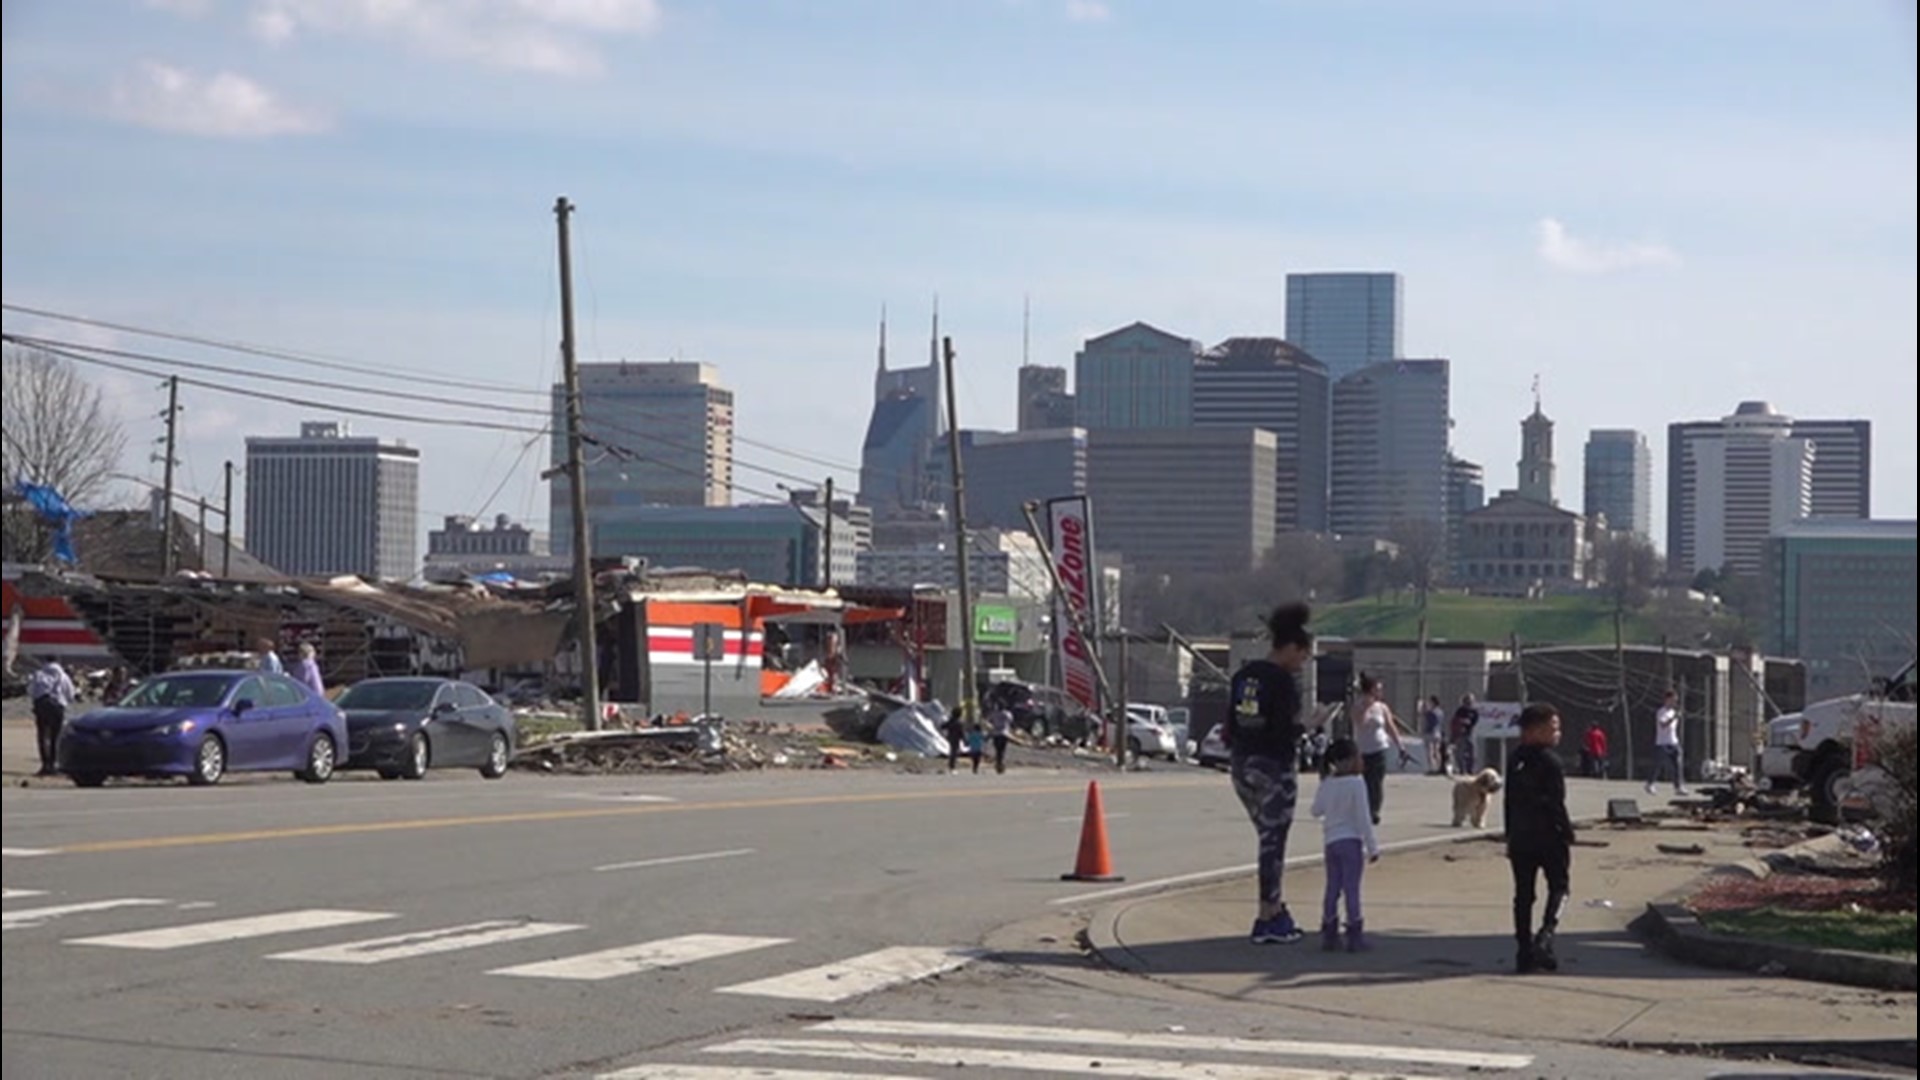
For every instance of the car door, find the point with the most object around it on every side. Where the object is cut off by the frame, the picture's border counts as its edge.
(248, 727)
(454, 739)
(291, 724)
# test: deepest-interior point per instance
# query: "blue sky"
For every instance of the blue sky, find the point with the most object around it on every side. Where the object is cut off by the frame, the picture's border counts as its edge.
(1661, 209)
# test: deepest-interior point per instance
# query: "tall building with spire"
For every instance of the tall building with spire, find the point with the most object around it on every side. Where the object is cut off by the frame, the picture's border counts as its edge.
(1536, 455)
(903, 430)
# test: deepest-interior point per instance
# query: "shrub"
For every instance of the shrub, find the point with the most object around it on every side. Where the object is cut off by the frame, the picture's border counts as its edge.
(1894, 747)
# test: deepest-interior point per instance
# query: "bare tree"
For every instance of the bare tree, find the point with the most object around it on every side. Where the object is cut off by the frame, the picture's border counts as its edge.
(58, 432)
(1418, 564)
(1300, 566)
(1628, 568)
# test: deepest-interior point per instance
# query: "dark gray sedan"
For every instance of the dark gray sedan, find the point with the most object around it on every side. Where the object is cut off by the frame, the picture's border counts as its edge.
(402, 727)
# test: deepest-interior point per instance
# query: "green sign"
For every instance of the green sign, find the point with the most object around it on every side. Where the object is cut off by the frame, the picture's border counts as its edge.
(994, 624)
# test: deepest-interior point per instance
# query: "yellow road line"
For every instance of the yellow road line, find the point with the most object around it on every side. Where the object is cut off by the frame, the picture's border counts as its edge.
(295, 832)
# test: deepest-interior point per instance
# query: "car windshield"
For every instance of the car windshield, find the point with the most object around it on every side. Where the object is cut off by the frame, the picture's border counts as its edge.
(179, 692)
(389, 695)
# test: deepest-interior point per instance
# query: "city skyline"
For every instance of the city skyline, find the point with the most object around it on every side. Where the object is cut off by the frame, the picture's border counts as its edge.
(396, 214)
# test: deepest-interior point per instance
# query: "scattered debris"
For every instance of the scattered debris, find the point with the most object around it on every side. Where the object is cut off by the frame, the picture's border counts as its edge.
(1680, 849)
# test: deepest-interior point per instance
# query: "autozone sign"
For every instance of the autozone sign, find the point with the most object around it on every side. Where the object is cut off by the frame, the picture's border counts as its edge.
(1070, 536)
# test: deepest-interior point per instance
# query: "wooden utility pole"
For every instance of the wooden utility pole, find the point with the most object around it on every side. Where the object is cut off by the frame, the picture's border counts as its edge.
(168, 557)
(826, 576)
(1620, 686)
(967, 674)
(226, 527)
(576, 473)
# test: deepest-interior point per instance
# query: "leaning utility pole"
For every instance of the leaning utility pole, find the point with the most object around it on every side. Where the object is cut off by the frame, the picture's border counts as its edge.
(168, 556)
(967, 687)
(226, 528)
(826, 576)
(576, 473)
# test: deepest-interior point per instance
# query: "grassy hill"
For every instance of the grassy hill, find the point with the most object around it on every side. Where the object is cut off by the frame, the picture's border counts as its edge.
(1554, 620)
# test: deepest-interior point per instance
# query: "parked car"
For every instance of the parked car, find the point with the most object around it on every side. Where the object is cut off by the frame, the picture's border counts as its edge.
(1150, 733)
(401, 727)
(1776, 757)
(1040, 710)
(204, 724)
(1212, 751)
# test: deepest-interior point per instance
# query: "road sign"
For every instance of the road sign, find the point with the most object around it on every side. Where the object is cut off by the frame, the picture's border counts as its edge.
(709, 641)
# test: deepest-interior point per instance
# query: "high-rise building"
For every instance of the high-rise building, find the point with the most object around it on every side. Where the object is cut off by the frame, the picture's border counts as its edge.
(331, 503)
(903, 434)
(1044, 401)
(1135, 377)
(774, 543)
(1389, 461)
(1466, 492)
(1840, 596)
(1185, 499)
(662, 435)
(1006, 469)
(1838, 488)
(1268, 383)
(999, 561)
(1536, 458)
(1345, 320)
(1619, 481)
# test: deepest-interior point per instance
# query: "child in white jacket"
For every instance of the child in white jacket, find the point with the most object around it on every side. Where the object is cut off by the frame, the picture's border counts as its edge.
(1347, 820)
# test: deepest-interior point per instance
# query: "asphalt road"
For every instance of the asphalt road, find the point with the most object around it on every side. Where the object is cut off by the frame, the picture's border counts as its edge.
(540, 926)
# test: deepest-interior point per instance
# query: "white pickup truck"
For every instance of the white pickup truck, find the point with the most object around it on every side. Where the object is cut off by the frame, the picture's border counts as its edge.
(1828, 754)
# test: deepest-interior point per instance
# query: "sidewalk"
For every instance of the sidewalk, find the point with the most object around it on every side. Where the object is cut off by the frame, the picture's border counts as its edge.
(1441, 925)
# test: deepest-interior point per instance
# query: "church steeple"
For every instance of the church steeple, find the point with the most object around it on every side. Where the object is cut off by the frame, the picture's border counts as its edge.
(1536, 454)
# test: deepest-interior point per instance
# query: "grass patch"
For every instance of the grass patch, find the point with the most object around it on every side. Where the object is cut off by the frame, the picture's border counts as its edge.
(542, 726)
(1550, 620)
(1886, 933)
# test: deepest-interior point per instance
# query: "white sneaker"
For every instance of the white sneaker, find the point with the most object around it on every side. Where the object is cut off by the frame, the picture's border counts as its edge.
(1650, 789)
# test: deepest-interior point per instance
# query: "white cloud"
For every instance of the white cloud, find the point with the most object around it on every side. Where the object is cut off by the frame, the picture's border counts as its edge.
(222, 105)
(1564, 251)
(553, 37)
(1088, 11)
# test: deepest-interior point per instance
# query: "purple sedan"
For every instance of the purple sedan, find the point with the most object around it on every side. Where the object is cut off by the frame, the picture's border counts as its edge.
(204, 724)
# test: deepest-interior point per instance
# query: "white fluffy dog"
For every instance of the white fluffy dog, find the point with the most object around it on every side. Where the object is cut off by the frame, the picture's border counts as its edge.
(1471, 795)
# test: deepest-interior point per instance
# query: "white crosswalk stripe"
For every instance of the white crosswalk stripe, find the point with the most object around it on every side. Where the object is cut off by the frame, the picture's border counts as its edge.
(726, 1072)
(1154, 1040)
(27, 918)
(20, 894)
(859, 975)
(950, 1057)
(222, 930)
(646, 956)
(428, 942)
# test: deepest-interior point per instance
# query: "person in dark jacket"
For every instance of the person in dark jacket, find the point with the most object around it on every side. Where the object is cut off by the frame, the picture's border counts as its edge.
(1263, 743)
(1539, 836)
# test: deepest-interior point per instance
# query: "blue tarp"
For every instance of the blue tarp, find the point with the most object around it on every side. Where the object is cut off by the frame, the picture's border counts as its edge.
(56, 512)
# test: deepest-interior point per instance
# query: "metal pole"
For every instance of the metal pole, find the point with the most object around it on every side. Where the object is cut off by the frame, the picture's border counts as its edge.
(168, 557)
(967, 673)
(226, 528)
(576, 473)
(827, 574)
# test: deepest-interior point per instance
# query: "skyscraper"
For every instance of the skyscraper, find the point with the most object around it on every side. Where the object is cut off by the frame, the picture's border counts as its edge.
(1193, 499)
(1345, 320)
(1135, 377)
(1619, 480)
(1268, 383)
(662, 435)
(1840, 596)
(1006, 469)
(1738, 480)
(329, 503)
(1044, 401)
(1466, 492)
(1389, 462)
(1839, 478)
(903, 433)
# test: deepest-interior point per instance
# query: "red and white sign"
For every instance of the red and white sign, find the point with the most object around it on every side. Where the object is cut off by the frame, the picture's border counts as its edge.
(1070, 535)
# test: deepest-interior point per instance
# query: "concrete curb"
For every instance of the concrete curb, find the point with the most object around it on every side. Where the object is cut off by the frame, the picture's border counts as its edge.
(1678, 933)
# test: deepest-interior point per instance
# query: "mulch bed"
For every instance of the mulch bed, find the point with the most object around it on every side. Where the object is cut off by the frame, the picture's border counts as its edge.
(1798, 892)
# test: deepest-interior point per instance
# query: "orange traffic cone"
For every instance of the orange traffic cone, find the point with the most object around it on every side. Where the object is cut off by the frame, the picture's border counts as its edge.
(1093, 863)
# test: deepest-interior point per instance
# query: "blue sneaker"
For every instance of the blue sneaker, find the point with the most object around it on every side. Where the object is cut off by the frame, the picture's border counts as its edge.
(1279, 930)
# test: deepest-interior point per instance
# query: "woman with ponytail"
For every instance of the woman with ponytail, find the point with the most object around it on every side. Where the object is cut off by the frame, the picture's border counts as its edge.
(1263, 740)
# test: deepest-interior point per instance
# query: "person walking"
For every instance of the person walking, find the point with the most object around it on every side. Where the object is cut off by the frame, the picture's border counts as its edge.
(1539, 836)
(976, 745)
(1375, 730)
(307, 671)
(1593, 752)
(1263, 742)
(1433, 732)
(1666, 745)
(1464, 720)
(269, 657)
(117, 686)
(999, 727)
(955, 731)
(51, 691)
(1347, 830)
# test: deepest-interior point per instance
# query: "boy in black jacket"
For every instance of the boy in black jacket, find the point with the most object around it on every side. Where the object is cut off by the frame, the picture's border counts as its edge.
(1539, 835)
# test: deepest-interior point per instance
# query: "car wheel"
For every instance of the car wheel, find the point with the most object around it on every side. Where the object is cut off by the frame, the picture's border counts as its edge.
(1824, 787)
(209, 762)
(322, 757)
(87, 779)
(419, 756)
(1133, 746)
(498, 754)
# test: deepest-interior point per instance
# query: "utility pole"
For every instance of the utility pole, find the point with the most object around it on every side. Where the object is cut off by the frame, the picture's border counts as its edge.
(168, 557)
(967, 688)
(827, 574)
(226, 527)
(576, 473)
(1620, 686)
